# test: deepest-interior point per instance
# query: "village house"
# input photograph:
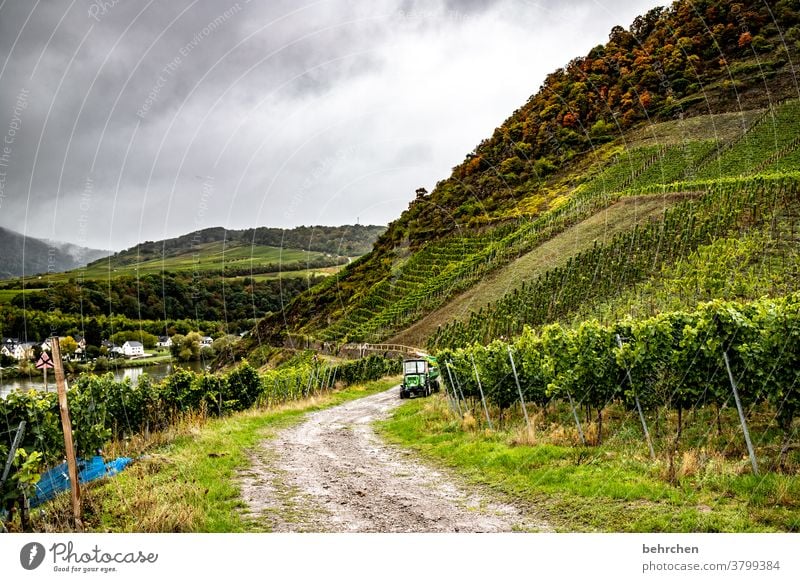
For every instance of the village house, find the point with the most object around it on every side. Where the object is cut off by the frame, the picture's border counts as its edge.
(24, 351)
(164, 341)
(9, 344)
(13, 348)
(111, 348)
(132, 349)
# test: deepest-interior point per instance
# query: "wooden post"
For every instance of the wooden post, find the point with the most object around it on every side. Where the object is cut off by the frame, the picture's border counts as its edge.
(66, 425)
(480, 389)
(746, 432)
(519, 388)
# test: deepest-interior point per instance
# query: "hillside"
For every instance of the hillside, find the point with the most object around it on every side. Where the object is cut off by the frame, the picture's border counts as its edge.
(346, 240)
(684, 98)
(229, 277)
(31, 256)
(263, 253)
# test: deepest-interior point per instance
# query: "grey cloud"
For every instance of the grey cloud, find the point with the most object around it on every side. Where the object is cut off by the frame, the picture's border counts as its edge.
(317, 112)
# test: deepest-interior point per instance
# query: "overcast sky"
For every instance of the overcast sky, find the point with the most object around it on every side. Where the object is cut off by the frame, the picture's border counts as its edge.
(127, 120)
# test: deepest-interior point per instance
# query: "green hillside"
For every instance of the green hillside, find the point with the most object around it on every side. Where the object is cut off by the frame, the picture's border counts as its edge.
(234, 258)
(213, 275)
(651, 121)
(269, 252)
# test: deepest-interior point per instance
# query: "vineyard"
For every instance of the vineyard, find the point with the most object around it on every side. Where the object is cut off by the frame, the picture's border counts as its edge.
(104, 410)
(761, 148)
(675, 361)
(414, 284)
(630, 257)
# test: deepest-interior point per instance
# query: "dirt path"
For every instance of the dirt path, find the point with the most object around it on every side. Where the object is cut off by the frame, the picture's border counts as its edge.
(333, 473)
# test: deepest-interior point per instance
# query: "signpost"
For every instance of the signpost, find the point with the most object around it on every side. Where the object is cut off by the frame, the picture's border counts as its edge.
(43, 363)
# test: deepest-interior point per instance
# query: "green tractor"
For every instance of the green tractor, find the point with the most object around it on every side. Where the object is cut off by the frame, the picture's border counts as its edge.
(420, 377)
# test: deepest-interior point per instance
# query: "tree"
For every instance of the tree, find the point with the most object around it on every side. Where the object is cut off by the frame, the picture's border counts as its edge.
(186, 348)
(745, 39)
(68, 345)
(93, 333)
(421, 192)
(148, 340)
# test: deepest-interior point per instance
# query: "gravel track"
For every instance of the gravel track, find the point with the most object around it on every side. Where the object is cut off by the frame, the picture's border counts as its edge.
(332, 473)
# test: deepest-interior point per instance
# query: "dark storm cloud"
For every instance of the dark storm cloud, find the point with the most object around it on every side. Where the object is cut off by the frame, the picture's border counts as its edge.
(137, 120)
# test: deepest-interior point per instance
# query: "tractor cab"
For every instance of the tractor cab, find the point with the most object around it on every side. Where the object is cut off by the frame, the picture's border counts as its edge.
(420, 377)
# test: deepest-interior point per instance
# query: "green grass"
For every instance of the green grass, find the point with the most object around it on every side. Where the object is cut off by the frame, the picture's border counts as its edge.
(321, 271)
(203, 257)
(612, 488)
(188, 483)
(720, 126)
(6, 295)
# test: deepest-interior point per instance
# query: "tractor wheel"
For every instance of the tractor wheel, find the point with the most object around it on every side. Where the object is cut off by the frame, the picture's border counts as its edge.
(436, 386)
(403, 394)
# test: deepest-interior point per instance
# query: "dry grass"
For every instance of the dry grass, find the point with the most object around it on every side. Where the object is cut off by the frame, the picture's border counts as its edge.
(560, 435)
(468, 423)
(590, 433)
(690, 464)
(524, 436)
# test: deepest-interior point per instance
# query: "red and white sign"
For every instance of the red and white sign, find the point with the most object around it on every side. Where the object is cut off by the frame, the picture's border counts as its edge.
(44, 361)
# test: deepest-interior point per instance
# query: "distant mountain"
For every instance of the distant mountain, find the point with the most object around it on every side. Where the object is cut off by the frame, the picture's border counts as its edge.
(23, 254)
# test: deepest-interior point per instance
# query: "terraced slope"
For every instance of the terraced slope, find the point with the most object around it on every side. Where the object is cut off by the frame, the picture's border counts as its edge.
(598, 229)
(421, 284)
(773, 137)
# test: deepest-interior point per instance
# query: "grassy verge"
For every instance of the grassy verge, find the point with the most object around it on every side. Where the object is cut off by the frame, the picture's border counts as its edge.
(186, 481)
(614, 487)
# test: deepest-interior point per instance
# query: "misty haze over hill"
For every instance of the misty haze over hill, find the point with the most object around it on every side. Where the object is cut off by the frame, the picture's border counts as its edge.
(30, 256)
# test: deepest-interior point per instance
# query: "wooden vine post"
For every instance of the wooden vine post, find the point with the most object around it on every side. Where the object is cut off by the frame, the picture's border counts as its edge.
(66, 425)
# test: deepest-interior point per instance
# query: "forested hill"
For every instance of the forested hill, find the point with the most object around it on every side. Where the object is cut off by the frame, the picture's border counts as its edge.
(726, 65)
(696, 57)
(31, 256)
(347, 240)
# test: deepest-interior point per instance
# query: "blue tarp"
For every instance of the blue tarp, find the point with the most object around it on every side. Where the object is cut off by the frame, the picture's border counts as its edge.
(56, 479)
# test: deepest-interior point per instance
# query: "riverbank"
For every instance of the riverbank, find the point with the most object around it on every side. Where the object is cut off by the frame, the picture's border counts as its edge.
(156, 369)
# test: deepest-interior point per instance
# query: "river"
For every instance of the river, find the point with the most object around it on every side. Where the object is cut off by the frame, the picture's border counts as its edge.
(156, 372)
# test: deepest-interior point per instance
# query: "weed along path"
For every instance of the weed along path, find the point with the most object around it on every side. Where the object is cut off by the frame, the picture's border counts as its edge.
(332, 473)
